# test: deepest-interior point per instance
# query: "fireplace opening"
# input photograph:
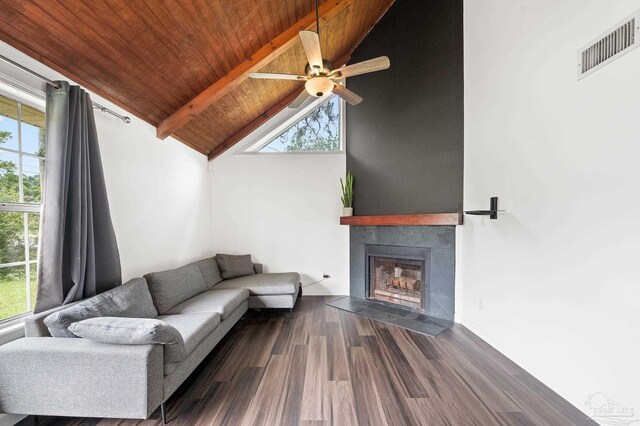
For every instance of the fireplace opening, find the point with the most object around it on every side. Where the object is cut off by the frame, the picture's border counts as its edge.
(398, 275)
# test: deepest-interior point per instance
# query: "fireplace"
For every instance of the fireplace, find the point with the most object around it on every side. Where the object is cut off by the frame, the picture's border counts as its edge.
(398, 275)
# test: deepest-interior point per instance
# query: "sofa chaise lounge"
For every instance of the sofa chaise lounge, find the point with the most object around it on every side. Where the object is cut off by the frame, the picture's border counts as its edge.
(80, 377)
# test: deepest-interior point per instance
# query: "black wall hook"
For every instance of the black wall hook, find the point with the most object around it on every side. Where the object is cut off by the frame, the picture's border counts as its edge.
(492, 212)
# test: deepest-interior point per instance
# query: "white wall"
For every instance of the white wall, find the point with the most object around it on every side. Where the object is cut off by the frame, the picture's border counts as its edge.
(558, 274)
(284, 209)
(158, 190)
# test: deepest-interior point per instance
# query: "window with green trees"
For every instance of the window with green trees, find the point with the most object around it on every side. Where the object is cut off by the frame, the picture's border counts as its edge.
(316, 131)
(21, 173)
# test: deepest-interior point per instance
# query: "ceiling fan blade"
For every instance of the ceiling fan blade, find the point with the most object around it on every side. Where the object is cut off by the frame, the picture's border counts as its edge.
(299, 100)
(276, 76)
(346, 94)
(311, 44)
(376, 64)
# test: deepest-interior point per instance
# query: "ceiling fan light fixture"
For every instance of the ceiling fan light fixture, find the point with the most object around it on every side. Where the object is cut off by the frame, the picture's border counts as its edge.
(319, 86)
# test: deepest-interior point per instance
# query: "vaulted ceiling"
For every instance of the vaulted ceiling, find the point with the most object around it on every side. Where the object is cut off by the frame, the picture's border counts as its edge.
(182, 65)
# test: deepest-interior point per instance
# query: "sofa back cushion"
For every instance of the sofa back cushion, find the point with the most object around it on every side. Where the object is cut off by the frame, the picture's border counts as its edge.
(232, 266)
(210, 271)
(131, 299)
(172, 287)
(133, 331)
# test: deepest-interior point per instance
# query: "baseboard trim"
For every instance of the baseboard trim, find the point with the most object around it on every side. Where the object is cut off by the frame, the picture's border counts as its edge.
(559, 386)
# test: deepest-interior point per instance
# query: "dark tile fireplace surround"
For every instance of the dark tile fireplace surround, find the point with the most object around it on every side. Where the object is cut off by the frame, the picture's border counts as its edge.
(423, 279)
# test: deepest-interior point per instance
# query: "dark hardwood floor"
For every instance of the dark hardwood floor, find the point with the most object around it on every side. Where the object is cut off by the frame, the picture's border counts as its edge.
(327, 366)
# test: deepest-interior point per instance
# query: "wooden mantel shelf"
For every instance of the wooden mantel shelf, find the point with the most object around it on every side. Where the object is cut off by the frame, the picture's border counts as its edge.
(436, 219)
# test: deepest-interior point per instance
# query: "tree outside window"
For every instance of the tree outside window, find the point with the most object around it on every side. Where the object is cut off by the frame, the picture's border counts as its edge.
(317, 131)
(21, 173)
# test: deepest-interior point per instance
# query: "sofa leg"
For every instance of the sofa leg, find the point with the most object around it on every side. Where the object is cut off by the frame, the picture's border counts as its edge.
(290, 313)
(164, 414)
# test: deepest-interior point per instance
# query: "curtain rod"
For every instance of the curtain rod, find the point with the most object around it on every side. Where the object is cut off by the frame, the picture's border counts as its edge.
(102, 108)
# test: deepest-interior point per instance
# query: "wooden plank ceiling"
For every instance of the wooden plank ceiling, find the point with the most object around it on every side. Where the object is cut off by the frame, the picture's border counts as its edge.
(182, 65)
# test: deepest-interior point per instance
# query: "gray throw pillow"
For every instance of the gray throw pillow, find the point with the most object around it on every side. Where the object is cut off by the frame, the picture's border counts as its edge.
(133, 331)
(131, 299)
(232, 266)
(172, 287)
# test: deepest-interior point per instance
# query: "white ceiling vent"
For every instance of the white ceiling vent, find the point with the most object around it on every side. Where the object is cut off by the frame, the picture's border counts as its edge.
(618, 40)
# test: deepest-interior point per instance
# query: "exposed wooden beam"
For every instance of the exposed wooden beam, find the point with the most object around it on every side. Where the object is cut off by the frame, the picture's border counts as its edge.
(265, 116)
(240, 73)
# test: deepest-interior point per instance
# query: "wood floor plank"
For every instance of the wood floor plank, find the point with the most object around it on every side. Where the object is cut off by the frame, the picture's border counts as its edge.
(369, 410)
(315, 396)
(428, 413)
(399, 368)
(364, 326)
(331, 367)
(267, 405)
(331, 314)
(295, 385)
(240, 395)
(282, 340)
(350, 329)
(342, 403)
(387, 383)
(338, 368)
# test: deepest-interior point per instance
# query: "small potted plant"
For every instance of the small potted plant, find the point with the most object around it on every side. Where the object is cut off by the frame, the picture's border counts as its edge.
(347, 194)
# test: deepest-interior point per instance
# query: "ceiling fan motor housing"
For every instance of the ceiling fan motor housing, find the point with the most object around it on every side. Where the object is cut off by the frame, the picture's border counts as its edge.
(327, 67)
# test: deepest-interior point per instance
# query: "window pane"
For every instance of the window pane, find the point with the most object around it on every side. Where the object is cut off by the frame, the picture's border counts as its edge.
(32, 130)
(13, 291)
(9, 183)
(11, 237)
(34, 228)
(318, 131)
(32, 168)
(8, 123)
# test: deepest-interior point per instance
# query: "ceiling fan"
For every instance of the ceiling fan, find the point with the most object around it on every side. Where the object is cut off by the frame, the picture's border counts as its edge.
(320, 76)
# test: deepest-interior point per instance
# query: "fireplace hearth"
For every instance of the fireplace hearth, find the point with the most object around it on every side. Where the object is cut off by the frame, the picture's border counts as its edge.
(398, 275)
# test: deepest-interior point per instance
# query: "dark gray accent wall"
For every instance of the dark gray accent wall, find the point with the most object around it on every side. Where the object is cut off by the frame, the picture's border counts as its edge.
(405, 141)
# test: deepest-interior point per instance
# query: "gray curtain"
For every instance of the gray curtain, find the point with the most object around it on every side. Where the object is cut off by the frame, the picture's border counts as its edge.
(78, 254)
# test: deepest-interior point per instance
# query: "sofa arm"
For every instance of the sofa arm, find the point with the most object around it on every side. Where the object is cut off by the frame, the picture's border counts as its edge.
(257, 267)
(80, 378)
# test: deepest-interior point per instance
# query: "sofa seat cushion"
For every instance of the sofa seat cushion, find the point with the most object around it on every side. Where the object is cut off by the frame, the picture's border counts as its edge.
(172, 287)
(193, 327)
(265, 284)
(130, 300)
(224, 302)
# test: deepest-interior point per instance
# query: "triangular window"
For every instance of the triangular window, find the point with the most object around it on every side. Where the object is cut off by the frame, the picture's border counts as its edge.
(318, 130)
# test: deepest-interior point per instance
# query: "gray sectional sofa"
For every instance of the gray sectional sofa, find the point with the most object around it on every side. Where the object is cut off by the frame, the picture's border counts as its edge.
(81, 377)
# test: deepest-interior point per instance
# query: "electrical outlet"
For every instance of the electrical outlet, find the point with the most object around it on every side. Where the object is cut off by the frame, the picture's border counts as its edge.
(481, 304)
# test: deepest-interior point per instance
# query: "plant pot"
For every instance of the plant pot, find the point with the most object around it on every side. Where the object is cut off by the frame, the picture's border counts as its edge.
(347, 211)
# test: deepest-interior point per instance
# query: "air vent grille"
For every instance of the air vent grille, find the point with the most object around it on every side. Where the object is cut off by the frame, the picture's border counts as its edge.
(610, 46)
